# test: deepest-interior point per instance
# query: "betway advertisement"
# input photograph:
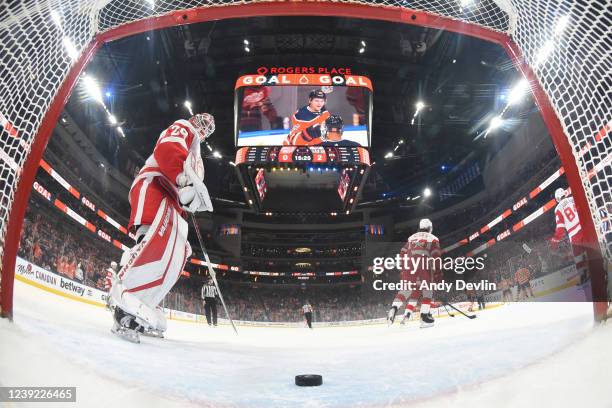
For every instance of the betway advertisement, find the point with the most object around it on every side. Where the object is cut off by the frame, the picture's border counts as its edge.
(55, 282)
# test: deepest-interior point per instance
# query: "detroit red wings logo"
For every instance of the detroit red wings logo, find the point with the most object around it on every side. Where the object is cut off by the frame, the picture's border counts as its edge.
(419, 244)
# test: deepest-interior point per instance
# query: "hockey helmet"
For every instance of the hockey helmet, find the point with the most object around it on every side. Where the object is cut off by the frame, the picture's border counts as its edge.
(426, 225)
(332, 124)
(559, 194)
(316, 93)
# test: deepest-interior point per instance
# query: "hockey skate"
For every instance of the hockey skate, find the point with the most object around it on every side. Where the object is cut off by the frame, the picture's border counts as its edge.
(158, 331)
(125, 326)
(153, 333)
(427, 320)
(391, 315)
(142, 314)
(406, 318)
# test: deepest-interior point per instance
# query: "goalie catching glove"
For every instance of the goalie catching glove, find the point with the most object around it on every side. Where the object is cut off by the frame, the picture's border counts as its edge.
(193, 194)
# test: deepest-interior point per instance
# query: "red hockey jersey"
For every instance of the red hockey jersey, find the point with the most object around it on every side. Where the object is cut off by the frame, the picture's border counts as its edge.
(427, 247)
(157, 179)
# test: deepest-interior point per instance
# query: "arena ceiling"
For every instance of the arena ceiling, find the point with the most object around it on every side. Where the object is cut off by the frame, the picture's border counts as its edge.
(462, 81)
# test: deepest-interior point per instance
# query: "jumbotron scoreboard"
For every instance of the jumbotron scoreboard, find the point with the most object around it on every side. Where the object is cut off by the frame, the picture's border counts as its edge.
(286, 155)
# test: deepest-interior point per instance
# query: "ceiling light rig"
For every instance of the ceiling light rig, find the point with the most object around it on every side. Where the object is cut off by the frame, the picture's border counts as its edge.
(562, 24)
(93, 90)
(518, 92)
(522, 87)
(516, 95)
(495, 123)
(57, 19)
(188, 105)
(466, 4)
(419, 107)
(362, 47)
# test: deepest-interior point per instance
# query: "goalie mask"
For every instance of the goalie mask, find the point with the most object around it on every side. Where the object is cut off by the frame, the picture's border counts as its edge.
(204, 124)
(426, 225)
(559, 194)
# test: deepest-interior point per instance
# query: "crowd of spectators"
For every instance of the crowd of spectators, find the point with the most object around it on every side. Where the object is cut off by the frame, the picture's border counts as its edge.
(530, 248)
(465, 219)
(60, 193)
(300, 238)
(71, 169)
(277, 251)
(280, 303)
(54, 242)
(50, 242)
(329, 265)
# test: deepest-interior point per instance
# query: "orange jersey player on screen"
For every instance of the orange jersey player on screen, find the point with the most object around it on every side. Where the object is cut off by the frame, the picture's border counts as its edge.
(306, 121)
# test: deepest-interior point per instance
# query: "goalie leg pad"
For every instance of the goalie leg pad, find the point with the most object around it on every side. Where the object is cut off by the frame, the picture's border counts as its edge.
(156, 262)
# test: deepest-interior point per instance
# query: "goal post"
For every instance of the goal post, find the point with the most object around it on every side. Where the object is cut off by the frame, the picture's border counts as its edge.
(558, 45)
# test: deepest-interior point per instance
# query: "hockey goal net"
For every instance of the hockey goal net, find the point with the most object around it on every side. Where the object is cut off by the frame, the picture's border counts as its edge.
(562, 46)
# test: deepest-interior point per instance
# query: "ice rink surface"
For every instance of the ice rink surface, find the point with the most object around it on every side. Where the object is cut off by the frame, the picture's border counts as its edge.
(518, 355)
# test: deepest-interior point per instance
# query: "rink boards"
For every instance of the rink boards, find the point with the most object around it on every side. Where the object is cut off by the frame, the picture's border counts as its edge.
(41, 278)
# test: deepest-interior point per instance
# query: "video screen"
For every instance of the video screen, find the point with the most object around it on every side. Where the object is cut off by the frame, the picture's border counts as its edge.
(260, 183)
(297, 115)
(343, 186)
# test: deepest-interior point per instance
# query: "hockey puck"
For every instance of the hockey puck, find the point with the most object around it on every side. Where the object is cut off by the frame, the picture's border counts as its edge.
(308, 380)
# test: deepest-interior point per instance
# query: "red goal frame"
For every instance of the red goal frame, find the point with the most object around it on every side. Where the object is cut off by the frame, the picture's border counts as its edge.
(298, 8)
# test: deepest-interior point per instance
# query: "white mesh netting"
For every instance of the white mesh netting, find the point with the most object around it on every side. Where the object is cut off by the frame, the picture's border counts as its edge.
(567, 43)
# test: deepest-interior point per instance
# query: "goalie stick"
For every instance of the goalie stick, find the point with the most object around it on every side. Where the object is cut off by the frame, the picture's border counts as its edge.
(460, 311)
(212, 273)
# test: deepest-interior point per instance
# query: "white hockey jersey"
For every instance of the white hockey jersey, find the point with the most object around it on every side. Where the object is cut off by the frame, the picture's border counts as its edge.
(567, 220)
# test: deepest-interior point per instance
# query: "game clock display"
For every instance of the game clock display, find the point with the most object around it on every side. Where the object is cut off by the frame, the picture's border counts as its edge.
(303, 154)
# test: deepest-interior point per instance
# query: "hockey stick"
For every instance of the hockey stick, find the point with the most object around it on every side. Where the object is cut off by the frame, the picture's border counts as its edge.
(460, 311)
(212, 273)
(447, 311)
